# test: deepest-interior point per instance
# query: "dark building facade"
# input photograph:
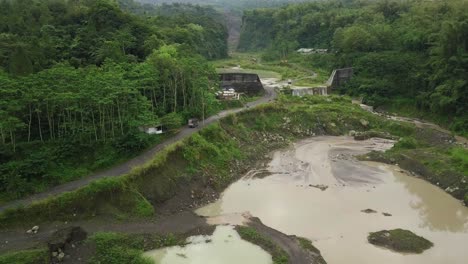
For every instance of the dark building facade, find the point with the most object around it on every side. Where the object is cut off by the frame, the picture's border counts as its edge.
(339, 77)
(247, 83)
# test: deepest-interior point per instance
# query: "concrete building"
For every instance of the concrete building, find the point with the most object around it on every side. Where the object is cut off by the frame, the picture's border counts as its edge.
(339, 77)
(319, 90)
(247, 83)
(305, 51)
(228, 94)
(153, 130)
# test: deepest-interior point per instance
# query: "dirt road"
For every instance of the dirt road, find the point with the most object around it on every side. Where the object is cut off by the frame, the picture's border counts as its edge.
(141, 159)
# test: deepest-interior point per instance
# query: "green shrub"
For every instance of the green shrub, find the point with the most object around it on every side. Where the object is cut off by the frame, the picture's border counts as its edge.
(459, 156)
(112, 248)
(400, 240)
(122, 248)
(35, 256)
(407, 143)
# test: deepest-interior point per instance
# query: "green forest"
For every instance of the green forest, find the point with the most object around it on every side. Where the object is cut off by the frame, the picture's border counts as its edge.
(410, 57)
(78, 78)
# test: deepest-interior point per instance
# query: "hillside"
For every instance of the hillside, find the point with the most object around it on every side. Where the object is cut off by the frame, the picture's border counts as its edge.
(409, 56)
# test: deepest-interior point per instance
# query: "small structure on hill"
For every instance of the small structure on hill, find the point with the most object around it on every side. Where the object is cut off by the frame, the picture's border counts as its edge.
(305, 51)
(228, 95)
(248, 83)
(339, 77)
(153, 129)
(319, 90)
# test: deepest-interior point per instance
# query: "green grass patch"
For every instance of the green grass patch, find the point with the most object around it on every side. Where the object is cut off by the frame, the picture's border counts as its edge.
(114, 196)
(114, 248)
(459, 157)
(34, 256)
(253, 63)
(400, 240)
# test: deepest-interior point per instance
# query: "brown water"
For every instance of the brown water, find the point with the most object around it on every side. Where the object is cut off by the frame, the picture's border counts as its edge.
(224, 246)
(333, 219)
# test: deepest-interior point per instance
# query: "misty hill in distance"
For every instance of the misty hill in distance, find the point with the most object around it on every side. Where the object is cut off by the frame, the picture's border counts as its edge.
(237, 4)
(231, 9)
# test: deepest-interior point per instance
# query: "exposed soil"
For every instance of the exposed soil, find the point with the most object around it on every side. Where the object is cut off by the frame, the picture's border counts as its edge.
(290, 244)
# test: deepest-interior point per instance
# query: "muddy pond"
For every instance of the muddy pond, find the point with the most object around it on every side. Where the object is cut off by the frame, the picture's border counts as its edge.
(317, 189)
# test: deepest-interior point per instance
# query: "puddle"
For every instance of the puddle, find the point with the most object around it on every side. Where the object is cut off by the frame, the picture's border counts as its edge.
(224, 246)
(332, 218)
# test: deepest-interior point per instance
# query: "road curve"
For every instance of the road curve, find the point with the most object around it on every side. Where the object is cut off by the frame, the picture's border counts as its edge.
(141, 159)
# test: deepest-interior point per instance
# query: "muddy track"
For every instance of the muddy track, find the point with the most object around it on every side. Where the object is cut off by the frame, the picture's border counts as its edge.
(141, 159)
(296, 253)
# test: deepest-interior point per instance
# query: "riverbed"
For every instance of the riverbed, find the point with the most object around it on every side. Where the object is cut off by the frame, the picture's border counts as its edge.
(318, 190)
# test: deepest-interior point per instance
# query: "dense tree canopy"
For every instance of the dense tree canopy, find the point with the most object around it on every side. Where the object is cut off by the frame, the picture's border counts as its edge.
(402, 51)
(83, 76)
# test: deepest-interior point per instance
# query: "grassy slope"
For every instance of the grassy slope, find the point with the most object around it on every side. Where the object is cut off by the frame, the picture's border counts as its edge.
(423, 152)
(407, 107)
(250, 234)
(34, 256)
(115, 248)
(55, 163)
(298, 68)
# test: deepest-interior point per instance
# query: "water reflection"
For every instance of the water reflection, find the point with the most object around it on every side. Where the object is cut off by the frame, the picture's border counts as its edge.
(437, 209)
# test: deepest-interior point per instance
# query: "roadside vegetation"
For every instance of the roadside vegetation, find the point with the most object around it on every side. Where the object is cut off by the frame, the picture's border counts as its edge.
(409, 57)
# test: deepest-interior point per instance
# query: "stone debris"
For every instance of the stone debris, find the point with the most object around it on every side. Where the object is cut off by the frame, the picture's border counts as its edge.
(33, 230)
(62, 239)
(364, 122)
(319, 186)
(369, 211)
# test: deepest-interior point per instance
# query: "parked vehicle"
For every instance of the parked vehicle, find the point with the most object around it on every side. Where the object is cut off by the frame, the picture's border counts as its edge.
(193, 122)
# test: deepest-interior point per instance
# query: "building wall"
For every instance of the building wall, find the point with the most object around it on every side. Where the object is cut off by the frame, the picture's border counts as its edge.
(322, 90)
(242, 83)
(339, 77)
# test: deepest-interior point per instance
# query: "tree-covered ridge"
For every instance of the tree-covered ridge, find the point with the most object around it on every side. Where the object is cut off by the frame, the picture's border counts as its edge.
(79, 78)
(236, 4)
(410, 54)
(36, 34)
